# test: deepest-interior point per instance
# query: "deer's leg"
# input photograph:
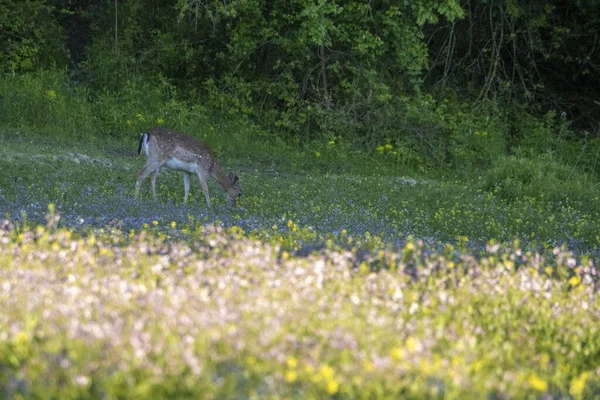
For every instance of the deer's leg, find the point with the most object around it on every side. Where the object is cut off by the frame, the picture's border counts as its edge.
(186, 185)
(142, 174)
(202, 178)
(153, 176)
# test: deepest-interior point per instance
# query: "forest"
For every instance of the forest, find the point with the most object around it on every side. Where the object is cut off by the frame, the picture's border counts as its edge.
(419, 213)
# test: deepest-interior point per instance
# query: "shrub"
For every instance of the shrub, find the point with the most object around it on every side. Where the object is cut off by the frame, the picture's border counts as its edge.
(540, 177)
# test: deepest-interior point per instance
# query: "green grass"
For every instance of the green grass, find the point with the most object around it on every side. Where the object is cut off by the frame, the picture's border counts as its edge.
(317, 193)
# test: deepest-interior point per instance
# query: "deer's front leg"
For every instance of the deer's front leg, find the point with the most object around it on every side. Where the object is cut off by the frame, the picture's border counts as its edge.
(186, 185)
(204, 185)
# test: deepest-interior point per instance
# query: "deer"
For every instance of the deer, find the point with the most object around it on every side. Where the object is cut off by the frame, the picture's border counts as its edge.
(180, 152)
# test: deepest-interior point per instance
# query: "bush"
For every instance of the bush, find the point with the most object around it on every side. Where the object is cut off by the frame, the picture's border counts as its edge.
(45, 101)
(539, 177)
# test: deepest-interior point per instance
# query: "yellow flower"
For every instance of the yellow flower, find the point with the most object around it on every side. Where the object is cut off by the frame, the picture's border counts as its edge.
(291, 362)
(317, 154)
(155, 222)
(173, 224)
(131, 233)
(160, 121)
(397, 354)
(128, 122)
(380, 149)
(331, 142)
(140, 117)
(412, 343)
(574, 281)
(388, 146)
(51, 94)
(333, 387)
(21, 339)
(326, 372)
(538, 383)
(291, 376)
(578, 384)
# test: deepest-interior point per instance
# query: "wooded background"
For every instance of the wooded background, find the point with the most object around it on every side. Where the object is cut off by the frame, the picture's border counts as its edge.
(333, 69)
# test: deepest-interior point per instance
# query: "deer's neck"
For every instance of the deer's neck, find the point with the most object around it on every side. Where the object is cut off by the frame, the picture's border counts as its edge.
(222, 178)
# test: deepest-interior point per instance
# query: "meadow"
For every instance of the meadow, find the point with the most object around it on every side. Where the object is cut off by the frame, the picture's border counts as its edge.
(334, 276)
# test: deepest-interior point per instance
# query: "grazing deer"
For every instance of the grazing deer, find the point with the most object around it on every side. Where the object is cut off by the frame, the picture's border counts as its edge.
(165, 148)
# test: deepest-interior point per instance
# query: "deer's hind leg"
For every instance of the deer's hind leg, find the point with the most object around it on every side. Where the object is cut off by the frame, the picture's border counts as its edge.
(153, 176)
(151, 168)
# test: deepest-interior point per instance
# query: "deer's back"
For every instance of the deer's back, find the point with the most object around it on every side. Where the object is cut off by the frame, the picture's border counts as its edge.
(168, 144)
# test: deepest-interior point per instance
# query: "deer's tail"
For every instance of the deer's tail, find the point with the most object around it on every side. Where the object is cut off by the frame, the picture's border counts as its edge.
(143, 144)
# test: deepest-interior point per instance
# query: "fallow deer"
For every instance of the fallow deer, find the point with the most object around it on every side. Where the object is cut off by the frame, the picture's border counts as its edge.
(176, 151)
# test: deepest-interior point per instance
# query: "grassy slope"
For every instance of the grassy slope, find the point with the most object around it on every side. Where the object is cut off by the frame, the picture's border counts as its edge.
(92, 183)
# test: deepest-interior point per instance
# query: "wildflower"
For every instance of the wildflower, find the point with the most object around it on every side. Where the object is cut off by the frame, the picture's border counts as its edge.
(331, 142)
(160, 121)
(155, 222)
(21, 339)
(326, 372)
(538, 383)
(51, 94)
(140, 117)
(397, 354)
(380, 149)
(388, 146)
(332, 387)
(574, 281)
(291, 362)
(128, 123)
(173, 224)
(412, 344)
(291, 376)
(317, 154)
(578, 384)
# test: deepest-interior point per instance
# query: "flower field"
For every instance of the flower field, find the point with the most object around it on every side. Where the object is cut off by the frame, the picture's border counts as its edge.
(107, 314)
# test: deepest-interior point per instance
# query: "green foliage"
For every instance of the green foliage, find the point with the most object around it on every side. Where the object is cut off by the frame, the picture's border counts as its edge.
(30, 36)
(538, 52)
(46, 101)
(541, 177)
